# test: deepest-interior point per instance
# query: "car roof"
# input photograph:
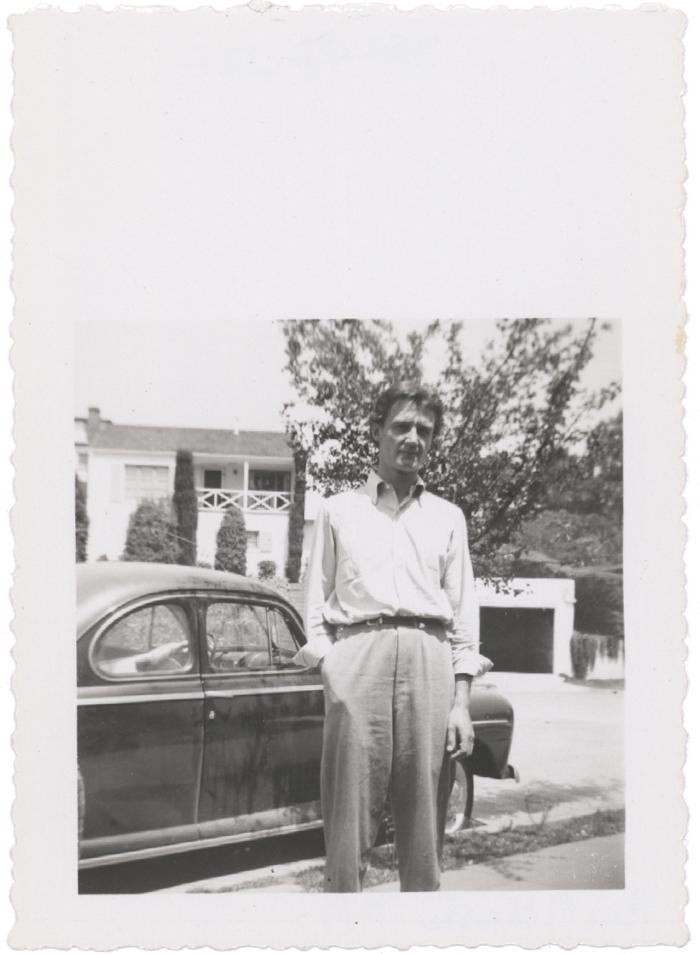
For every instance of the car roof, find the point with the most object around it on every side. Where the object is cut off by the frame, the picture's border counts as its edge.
(103, 587)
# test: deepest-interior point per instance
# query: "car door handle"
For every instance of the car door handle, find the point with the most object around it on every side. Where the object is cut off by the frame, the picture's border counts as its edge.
(211, 715)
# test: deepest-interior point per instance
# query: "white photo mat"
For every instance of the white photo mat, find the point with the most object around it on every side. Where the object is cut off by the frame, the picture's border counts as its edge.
(347, 163)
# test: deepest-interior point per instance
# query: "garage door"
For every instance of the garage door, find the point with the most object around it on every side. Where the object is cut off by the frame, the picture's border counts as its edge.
(518, 640)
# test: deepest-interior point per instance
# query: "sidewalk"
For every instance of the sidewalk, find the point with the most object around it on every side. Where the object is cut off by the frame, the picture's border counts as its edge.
(594, 864)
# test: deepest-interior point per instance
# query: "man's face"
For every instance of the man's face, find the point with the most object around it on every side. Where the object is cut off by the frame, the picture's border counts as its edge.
(405, 437)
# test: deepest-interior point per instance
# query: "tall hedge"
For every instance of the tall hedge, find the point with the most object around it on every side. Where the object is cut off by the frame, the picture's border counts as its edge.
(152, 534)
(81, 521)
(295, 530)
(231, 543)
(599, 606)
(185, 504)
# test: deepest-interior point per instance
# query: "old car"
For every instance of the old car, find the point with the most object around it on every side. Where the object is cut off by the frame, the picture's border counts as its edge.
(195, 727)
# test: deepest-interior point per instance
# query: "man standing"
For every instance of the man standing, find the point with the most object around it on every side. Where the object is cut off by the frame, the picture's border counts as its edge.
(392, 620)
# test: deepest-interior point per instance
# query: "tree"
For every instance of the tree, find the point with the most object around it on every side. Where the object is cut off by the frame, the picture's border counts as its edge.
(295, 527)
(81, 521)
(185, 504)
(509, 421)
(152, 534)
(591, 482)
(231, 543)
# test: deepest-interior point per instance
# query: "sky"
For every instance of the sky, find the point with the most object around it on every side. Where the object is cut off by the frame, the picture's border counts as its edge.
(221, 374)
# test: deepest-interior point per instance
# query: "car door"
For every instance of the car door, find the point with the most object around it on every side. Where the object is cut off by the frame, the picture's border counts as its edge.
(263, 721)
(140, 730)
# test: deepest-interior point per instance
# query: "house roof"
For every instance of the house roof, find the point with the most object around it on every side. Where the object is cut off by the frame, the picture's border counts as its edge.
(198, 440)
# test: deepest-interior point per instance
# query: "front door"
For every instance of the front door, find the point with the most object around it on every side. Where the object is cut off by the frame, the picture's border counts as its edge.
(140, 731)
(263, 722)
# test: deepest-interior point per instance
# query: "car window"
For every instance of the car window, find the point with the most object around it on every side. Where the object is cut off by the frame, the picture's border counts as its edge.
(237, 637)
(284, 646)
(152, 640)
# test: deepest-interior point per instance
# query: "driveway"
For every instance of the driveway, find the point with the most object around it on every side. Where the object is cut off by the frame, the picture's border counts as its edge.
(568, 748)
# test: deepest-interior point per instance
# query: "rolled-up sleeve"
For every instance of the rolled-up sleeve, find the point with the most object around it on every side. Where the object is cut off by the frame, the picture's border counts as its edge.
(320, 582)
(458, 583)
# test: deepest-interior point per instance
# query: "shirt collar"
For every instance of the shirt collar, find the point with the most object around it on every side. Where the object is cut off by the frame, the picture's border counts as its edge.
(375, 484)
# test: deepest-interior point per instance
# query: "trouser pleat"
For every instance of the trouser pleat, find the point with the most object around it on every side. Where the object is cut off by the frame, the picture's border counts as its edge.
(388, 695)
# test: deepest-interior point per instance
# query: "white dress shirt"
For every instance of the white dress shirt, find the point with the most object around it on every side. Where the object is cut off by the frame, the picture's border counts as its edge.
(373, 556)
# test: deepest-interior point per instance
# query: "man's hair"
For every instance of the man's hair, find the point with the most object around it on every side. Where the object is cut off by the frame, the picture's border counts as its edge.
(411, 391)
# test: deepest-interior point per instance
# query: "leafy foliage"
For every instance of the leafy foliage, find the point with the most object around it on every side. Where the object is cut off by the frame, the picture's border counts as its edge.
(599, 602)
(81, 521)
(267, 569)
(568, 537)
(185, 504)
(231, 543)
(510, 424)
(591, 482)
(152, 535)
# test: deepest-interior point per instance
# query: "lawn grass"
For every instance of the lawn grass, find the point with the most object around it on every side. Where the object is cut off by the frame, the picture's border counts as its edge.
(473, 847)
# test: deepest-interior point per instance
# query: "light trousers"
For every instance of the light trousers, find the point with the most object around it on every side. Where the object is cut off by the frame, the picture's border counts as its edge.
(388, 693)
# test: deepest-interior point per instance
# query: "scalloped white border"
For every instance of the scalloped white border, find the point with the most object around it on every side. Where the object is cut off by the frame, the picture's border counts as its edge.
(692, 400)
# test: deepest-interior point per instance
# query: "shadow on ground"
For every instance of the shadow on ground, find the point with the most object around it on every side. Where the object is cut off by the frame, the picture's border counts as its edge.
(537, 798)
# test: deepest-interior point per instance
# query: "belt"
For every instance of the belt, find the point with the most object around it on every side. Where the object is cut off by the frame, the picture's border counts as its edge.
(420, 622)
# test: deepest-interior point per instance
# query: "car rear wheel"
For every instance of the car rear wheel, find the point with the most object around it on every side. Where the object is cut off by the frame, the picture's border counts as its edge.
(459, 807)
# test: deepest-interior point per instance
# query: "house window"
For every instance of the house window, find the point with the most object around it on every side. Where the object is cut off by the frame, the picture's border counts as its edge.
(146, 482)
(252, 538)
(270, 480)
(155, 639)
(213, 479)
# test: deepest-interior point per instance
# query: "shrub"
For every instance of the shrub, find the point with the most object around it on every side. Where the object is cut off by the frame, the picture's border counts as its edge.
(81, 521)
(151, 536)
(599, 603)
(185, 504)
(586, 648)
(231, 543)
(267, 569)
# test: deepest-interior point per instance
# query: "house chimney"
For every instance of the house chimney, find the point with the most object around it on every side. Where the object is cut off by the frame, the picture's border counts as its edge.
(93, 422)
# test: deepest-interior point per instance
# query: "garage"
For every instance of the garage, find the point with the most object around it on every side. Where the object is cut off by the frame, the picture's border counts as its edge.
(525, 624)
(518, 640)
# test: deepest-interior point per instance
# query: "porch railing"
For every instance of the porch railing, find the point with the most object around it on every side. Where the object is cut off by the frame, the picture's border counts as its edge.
(249, 501)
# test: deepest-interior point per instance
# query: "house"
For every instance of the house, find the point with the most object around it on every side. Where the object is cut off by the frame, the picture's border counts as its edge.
(124, 464)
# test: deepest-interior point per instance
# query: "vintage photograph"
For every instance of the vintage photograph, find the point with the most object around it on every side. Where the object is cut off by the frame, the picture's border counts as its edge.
(353, 618)
(348, 347)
